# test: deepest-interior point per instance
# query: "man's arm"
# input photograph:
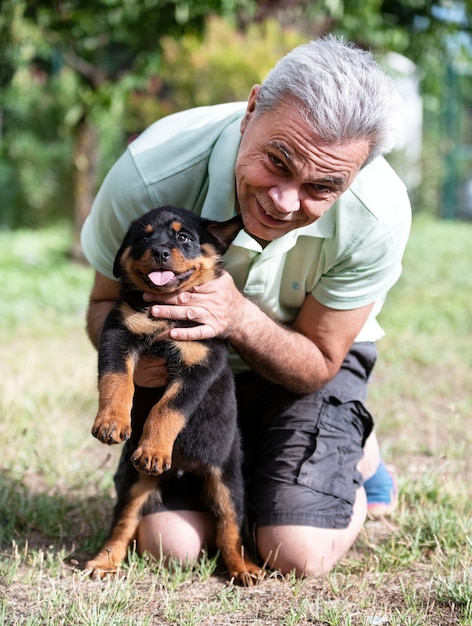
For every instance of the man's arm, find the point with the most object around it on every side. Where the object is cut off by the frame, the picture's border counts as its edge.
(306, 356)
(102, 299)
(302, 358)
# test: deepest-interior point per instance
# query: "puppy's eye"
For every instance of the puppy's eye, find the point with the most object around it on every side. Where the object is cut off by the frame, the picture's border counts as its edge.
(182, 238)
(144, 239)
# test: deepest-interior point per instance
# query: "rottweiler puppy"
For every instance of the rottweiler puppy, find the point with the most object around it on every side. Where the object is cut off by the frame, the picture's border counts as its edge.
(193, 425)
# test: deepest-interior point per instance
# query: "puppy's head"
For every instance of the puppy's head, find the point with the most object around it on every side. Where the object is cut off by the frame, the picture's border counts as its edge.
(170, 249)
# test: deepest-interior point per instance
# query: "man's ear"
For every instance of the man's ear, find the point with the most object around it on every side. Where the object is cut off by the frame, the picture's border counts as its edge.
(251, 107)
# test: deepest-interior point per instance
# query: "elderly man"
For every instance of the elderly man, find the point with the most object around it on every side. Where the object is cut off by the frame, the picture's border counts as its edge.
(326, 222)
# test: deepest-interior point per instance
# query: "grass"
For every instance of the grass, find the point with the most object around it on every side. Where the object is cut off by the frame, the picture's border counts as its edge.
(56, 480)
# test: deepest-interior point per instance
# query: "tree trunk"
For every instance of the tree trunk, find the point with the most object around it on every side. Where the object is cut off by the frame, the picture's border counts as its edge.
(86, 154)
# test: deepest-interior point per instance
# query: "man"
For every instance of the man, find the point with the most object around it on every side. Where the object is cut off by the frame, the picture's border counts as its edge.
(326, 223)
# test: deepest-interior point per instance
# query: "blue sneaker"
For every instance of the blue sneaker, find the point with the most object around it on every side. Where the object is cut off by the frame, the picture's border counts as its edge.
(381, 490)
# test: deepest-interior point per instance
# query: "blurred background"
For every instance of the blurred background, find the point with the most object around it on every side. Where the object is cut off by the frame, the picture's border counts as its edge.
(79, 79)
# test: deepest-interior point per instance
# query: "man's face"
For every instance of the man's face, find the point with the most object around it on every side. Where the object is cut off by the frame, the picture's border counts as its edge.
(286, 177)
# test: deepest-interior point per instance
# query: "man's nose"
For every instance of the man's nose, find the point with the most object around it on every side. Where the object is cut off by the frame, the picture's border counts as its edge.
(286, 198)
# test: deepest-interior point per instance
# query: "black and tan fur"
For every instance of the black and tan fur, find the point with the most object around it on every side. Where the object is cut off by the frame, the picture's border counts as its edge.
(193, 426)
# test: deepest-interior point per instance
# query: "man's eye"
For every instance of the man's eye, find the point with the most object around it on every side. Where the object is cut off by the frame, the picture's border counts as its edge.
(276, 161)
(319, 190)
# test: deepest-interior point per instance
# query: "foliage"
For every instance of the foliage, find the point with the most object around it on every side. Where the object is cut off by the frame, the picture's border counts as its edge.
(116, 65)
(113, 42)
(107, 46)
(202, 75)
(197, 73)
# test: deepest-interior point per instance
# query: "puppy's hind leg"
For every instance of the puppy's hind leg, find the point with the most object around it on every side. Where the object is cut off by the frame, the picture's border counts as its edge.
(228, 535)
(115, 548)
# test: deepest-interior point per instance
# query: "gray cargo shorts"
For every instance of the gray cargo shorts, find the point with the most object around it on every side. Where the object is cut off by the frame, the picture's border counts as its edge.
(301, 452)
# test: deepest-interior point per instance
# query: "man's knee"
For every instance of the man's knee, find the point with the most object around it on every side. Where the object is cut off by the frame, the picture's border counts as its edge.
(302, 550)
(306, 550)
(182, 535)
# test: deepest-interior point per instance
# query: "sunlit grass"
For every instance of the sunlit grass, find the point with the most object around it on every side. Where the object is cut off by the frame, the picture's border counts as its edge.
(421, 394)
(57, 491)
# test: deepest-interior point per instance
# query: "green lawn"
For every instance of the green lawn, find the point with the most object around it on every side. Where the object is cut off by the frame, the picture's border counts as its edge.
(56, 495)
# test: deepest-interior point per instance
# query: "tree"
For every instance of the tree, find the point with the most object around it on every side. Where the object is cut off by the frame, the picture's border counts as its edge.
(108, 44)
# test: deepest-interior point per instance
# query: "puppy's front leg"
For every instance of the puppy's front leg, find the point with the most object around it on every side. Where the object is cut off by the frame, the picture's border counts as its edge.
(116, 362)
(154, 452)
(113, 421)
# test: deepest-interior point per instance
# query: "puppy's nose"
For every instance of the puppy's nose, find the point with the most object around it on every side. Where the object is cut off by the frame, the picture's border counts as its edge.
(161, 253)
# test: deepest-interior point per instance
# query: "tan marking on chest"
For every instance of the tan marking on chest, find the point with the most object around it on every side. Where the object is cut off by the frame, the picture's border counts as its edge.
(140, 323)
(193, 352)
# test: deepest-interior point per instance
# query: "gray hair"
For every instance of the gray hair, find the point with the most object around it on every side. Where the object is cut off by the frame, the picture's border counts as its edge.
(342, 91)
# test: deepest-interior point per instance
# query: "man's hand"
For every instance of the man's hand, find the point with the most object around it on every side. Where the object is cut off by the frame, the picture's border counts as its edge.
(214, 306)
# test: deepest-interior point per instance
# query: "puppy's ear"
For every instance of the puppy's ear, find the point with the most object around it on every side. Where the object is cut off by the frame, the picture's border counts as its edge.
(225, 232)
(117, 266)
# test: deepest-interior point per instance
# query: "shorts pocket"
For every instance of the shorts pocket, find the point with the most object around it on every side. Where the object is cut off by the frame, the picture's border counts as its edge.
(331, 468)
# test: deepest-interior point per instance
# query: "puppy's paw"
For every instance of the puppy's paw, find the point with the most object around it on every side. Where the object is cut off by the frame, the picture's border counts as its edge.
(102, 565)
(150, 460)
(111, 427)
(251, 575)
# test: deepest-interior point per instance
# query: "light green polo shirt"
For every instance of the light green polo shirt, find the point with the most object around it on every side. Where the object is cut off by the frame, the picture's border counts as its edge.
(347, 259)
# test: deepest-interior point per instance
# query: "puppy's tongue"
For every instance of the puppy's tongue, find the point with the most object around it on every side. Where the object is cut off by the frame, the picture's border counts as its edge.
(161, 277)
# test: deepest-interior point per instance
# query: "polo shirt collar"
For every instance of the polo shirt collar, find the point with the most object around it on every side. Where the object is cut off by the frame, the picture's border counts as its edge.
(221, 195)
(323, 228)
